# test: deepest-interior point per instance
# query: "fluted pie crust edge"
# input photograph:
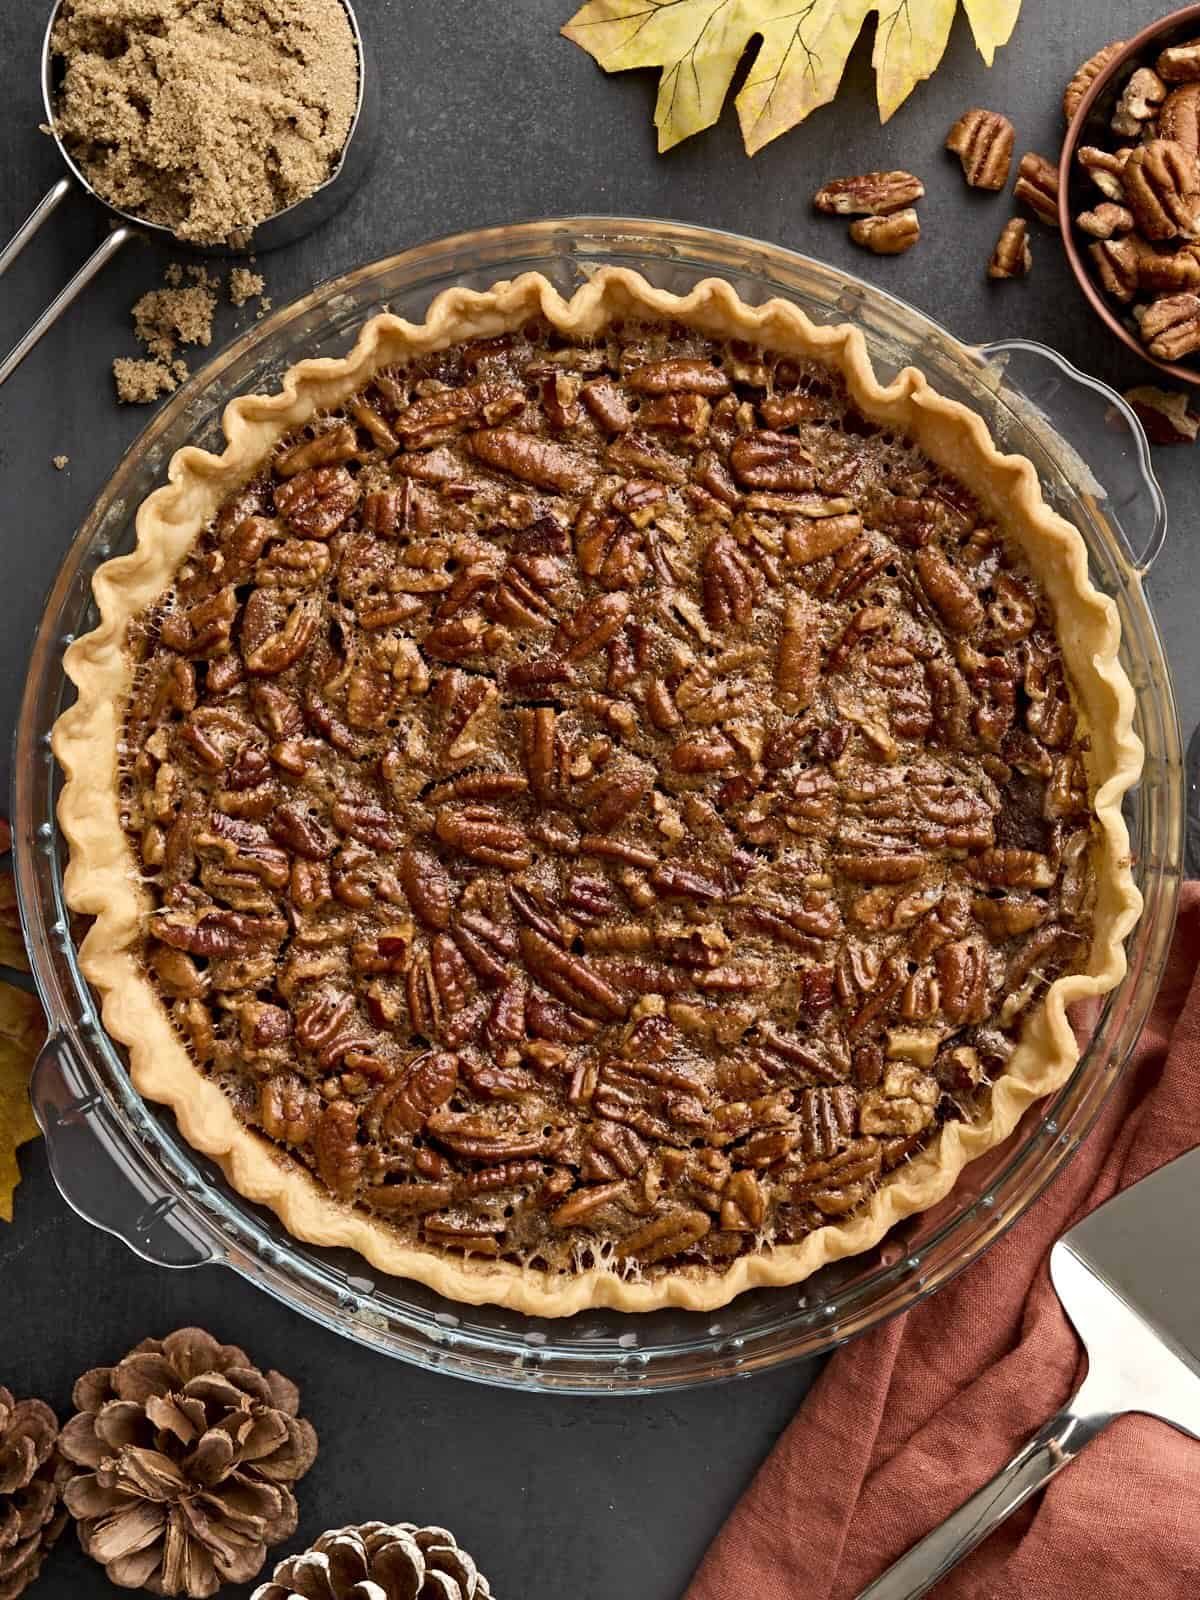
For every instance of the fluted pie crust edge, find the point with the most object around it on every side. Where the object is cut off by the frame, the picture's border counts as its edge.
(102, 877)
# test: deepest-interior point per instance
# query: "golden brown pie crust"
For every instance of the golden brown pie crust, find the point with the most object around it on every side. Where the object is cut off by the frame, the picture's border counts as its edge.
(102, 878)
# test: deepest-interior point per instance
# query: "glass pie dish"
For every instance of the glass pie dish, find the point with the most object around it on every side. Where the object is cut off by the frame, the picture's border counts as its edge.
(122, 1164)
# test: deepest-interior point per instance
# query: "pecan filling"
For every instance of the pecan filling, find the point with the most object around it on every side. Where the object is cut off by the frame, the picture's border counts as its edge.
(605, 803)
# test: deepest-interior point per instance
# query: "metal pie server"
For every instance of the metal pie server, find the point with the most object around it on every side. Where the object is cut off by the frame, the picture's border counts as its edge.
(1128, 1276)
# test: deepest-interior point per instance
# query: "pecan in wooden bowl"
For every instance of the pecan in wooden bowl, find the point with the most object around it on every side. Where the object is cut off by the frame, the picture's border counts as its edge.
(1129, 191)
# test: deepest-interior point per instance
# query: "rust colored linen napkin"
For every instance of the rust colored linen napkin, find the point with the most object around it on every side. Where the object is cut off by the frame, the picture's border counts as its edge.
(909, 1420)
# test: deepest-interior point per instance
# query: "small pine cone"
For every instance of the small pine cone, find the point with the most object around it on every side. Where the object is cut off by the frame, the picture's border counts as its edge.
(983, 142)
(385, 1562)
(31, 1475)
(1012, 257)
(187, 1453)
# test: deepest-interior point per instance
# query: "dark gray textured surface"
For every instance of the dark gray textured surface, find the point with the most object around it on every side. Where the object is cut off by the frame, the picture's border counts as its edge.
(491, 117)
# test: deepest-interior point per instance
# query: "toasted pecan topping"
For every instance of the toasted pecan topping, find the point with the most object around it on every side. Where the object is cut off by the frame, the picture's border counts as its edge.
(607, 803)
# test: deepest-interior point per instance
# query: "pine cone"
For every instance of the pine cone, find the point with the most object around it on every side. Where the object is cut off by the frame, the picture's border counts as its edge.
(379, 1562)
(31, 1518)
(188, 1451)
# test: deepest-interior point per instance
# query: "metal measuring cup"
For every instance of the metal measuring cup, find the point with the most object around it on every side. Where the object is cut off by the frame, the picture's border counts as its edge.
(284, 227)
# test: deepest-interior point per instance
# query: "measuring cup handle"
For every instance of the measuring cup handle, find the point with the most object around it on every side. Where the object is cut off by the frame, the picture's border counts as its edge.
(65, 297)
(46, 206)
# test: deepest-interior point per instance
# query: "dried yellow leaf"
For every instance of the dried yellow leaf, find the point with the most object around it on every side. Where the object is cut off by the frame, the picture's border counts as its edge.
(22, 1034)
(12, 941)
(799, 60)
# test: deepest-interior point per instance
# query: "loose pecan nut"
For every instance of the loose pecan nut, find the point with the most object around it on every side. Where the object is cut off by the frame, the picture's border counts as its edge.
(1012, 257)
(889, 235)
(1165, 416)
(983, 142)
(1170, 326)
(1037, 187)
(874, 194)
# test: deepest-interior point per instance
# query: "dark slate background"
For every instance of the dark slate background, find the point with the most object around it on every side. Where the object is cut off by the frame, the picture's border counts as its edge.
(491, 117)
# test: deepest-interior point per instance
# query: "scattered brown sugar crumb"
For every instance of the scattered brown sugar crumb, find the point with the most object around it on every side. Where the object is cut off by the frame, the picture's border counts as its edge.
(205, 115)
(166, 318)
(245, 285)
(139, 383)
(61, 462)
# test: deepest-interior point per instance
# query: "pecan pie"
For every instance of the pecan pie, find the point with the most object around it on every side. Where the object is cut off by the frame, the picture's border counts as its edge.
(599, 802)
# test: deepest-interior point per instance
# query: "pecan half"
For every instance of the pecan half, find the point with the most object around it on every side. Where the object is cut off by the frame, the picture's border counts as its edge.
(956, 601)
(1037, 187)
(1180, 63)
(1105, 168)
(983, 142)
(1162, 188)
(776, 461)
(1170, 326)
(317, 502)
(887, 236)
(664, 1237)
(427, 884)
(483, 834)
(1012, 256)
(1087, 74)
(1179, 117)
(1105, 220)
(732, 584)
(1140, 98)
(1118, 264)
(1165, 416)
(874, 194)
(542, 462)
(570, 977)
(283, 648)
(679, 376)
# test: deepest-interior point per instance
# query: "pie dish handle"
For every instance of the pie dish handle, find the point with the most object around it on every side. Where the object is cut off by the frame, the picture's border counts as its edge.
(1081, 413)
(102, 1174)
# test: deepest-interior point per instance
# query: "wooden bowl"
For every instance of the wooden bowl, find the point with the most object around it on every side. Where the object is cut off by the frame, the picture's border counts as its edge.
(1141, 50)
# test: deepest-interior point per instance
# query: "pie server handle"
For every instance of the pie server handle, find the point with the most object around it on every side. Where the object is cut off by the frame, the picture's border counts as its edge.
(1046, 1454)
(104, 1176)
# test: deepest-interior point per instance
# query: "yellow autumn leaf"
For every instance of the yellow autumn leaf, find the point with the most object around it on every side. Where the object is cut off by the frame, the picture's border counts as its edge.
(12, 940)
(22, 1033)
(799, 48)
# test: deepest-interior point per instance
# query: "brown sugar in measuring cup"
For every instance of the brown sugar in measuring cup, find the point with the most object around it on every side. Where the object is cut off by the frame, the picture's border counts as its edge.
(146, 203)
